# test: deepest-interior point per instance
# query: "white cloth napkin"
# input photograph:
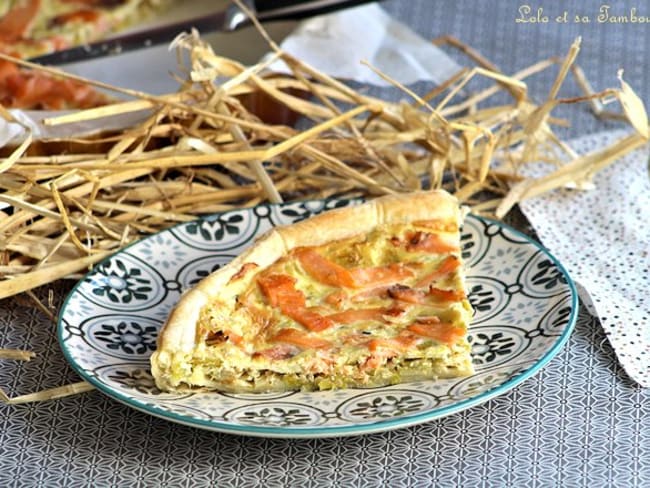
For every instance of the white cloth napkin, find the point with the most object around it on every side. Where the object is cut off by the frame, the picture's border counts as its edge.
(13, 133)
(337, 43)
(602, 237)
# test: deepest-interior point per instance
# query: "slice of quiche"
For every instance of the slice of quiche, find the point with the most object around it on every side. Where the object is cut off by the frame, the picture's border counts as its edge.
(362, 296)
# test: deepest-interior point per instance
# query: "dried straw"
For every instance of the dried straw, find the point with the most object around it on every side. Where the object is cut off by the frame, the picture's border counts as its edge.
(49, 394)
(209, 148)
(16, 354)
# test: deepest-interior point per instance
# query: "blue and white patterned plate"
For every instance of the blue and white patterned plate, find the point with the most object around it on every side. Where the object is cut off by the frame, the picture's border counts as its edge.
(525, 308)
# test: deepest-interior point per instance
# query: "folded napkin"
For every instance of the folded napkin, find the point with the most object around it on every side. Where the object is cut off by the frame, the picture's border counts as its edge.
(29, 122)
(336, 44)
(602, 237)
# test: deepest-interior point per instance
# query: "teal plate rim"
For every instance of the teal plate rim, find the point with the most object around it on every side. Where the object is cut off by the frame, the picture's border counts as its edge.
(335, 431)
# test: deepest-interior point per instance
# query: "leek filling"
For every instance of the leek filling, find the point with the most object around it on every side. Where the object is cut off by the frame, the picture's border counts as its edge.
(219, 361)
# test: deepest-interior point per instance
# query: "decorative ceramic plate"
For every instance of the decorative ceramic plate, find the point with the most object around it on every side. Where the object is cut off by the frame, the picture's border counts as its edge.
(525, 307)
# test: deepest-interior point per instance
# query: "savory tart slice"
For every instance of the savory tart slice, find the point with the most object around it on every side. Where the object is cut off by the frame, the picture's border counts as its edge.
(356, 297)
(31, 28)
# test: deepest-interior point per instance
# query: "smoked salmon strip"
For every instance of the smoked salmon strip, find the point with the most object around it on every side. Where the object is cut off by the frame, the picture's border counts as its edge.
(281, 292)
(446, 266)
(15, 23)
(433, 328)
(332, 274)
(324, 270)
(406, 294)
(426, 242)
(446, 295)
(380, 275)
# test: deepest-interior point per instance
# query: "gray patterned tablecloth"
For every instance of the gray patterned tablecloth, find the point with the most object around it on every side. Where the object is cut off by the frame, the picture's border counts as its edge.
(579, 422)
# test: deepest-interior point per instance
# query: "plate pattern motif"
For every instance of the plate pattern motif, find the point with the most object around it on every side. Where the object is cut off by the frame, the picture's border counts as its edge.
(525, 307)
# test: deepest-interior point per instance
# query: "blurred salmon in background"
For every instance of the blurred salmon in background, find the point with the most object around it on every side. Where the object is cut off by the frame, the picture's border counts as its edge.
(31, 28)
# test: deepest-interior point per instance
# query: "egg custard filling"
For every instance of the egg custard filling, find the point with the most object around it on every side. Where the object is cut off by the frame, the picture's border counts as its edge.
(31, 28)
(381, 305)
